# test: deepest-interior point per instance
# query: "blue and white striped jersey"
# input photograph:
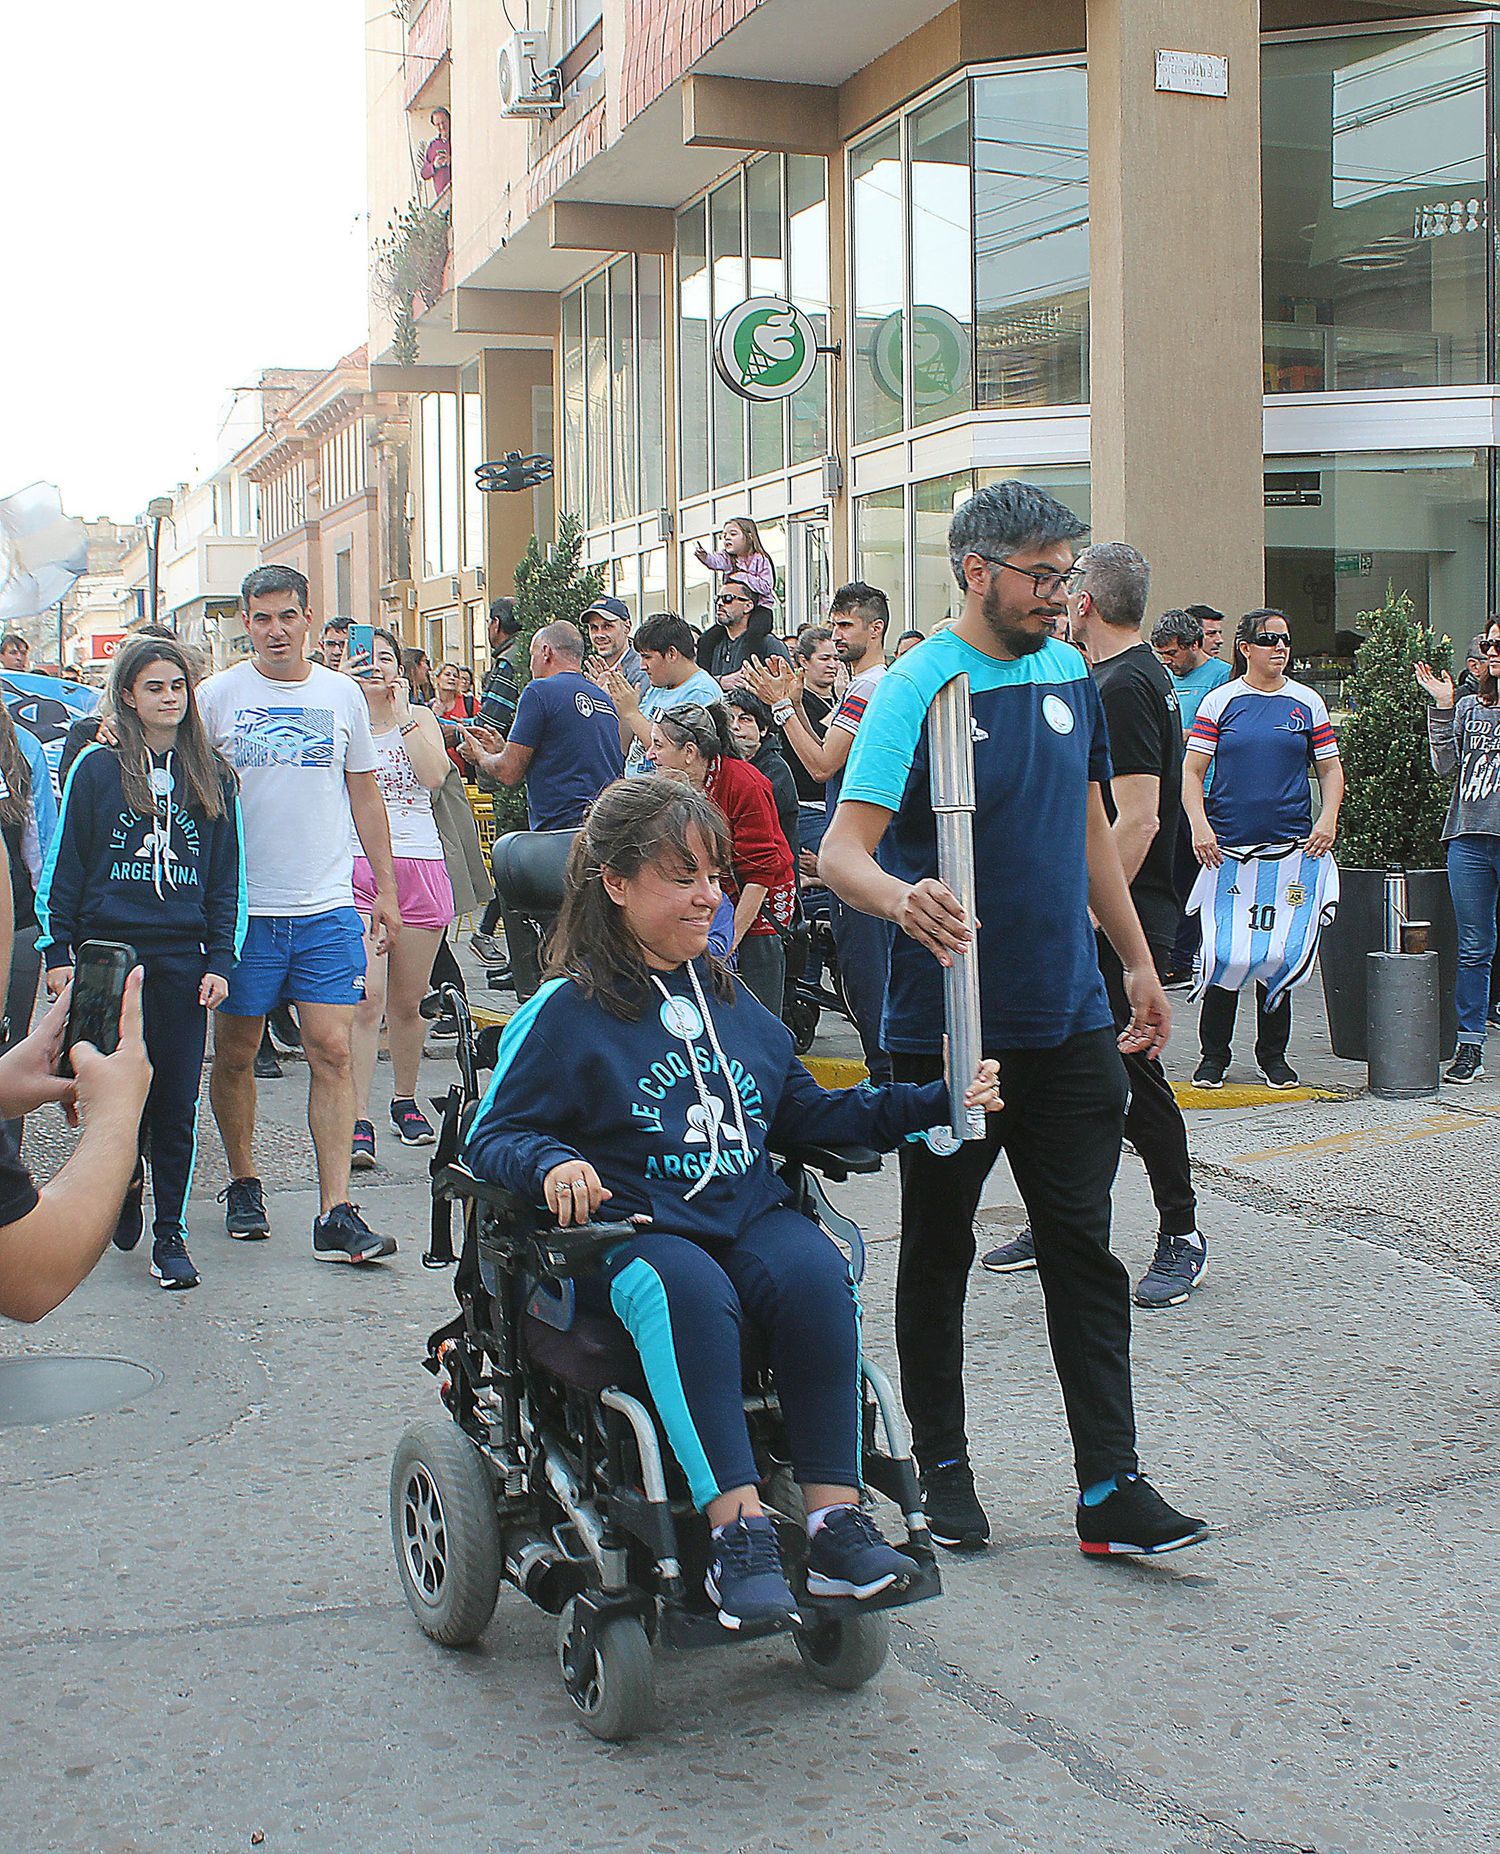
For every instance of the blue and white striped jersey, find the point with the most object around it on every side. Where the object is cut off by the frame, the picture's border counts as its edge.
(1262, 912)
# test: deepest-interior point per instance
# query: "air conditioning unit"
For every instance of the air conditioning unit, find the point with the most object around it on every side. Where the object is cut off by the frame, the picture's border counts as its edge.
(528, 85)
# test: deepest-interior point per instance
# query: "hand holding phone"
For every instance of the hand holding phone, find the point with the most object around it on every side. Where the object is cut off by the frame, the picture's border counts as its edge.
(361, 649)
(100, 969)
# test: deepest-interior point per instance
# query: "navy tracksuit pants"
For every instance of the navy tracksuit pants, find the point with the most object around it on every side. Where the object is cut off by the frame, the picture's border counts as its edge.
(176, 1025)
(685, 1308)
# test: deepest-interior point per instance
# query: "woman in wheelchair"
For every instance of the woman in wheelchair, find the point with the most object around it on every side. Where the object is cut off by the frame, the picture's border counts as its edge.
(644, 1075)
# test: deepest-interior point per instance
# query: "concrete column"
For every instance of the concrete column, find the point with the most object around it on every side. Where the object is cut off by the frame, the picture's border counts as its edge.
(1175, 216)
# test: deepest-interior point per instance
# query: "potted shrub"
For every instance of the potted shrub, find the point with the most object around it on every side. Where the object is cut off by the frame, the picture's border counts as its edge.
(1393, 814)
(551, 582)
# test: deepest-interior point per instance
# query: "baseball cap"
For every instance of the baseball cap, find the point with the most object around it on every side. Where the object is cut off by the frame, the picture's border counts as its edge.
(610, 608)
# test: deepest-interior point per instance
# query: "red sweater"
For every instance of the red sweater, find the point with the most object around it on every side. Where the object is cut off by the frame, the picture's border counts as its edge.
(758, 850)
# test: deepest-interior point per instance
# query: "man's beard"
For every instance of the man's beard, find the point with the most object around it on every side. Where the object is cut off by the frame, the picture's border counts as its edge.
(1010, 637)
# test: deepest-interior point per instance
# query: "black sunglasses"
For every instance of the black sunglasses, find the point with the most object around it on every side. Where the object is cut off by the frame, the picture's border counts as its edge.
(732, 598)
(1492, 646)
(1047, 583)
(1270, 640)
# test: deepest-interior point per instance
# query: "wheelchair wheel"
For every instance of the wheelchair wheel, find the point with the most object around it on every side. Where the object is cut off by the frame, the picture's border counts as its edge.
(616, 1695)
(445, 1532)
(844, 1651)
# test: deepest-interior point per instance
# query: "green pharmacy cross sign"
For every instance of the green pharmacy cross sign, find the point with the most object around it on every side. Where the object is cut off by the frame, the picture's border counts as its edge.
(766, 349)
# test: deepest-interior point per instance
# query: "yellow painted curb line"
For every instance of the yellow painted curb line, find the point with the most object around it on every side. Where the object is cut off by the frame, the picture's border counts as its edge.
(835, 1071)
(1249, 1094)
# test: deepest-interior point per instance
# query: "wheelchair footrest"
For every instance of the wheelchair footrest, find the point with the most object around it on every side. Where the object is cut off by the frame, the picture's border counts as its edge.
(687, 1628)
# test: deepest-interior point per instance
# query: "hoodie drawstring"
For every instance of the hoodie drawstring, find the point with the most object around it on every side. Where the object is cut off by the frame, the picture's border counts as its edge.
(707, 1101)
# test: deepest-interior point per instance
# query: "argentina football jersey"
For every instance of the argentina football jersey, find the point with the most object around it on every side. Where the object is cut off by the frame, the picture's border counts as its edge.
(1263, 911)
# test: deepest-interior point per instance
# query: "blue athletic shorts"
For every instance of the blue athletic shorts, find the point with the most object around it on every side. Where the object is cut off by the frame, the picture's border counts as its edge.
(298, 959)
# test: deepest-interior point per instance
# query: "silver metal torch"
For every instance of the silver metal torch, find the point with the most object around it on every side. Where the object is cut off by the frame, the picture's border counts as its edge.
(951, 742)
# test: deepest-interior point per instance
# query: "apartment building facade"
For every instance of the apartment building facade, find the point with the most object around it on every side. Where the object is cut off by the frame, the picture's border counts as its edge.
(1220, 274)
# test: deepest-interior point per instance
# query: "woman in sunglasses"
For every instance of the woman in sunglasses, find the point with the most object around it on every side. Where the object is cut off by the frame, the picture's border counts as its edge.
(1263, 734)
(1464, 737)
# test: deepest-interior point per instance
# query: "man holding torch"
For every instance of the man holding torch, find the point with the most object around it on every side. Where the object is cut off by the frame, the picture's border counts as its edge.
(1045, 859)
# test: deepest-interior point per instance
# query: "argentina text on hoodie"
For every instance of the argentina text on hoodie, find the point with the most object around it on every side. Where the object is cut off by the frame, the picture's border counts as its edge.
(171, 884)
(674, 1111)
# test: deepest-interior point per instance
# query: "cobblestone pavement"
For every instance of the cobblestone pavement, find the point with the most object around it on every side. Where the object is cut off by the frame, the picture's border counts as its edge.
(202, 1639)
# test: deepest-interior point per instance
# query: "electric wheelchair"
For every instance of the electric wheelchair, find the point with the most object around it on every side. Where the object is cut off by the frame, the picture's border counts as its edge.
(549, 1470)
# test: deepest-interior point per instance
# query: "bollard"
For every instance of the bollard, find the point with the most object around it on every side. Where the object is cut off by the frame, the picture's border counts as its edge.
(1402, 1018)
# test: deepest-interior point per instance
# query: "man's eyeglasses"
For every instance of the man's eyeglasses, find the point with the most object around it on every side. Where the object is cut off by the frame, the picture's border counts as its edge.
(1271, 640)
(1492, 646)
(731, 598)
(1046, 583)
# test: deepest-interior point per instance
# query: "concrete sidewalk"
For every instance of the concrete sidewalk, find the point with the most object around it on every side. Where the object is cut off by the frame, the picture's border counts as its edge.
(202, 1638)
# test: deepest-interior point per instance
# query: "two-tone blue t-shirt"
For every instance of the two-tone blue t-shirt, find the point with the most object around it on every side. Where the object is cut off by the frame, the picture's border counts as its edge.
(1040, 742)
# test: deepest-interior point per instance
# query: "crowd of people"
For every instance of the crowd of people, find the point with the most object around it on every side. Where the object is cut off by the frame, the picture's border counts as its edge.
(289, 833)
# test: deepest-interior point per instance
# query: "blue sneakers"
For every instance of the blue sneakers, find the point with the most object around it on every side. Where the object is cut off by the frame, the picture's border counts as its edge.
(171, 1263)
(1176, 1269)
(847, 1557)
(745, 1578)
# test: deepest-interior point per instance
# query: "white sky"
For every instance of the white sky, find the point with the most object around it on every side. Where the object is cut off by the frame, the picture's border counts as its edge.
(182, 195)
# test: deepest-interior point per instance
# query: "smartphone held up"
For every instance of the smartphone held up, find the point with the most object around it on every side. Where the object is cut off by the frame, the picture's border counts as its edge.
(100, 969)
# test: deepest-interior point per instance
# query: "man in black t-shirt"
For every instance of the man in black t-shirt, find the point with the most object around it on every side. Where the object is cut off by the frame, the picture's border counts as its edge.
(1107, 606)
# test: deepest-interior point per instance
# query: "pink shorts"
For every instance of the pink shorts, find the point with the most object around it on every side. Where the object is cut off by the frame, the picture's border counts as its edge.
(423, 892)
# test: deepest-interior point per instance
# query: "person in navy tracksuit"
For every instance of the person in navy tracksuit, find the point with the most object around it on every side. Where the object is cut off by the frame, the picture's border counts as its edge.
(148, 850)
(644, 1074)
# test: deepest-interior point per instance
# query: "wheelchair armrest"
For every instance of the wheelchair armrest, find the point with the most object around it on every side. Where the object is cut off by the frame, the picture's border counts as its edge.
(456, 1180)
(834, 1162)
(559, 1254)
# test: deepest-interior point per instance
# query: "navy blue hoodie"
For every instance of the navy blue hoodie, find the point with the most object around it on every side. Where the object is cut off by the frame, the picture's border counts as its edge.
(172, 886)
(658, 1105)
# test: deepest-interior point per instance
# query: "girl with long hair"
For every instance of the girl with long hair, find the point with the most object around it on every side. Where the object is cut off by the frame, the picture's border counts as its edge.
(642, 1076)
(148, 851)
(696, 744)
(413, 763)
(744, 555)
(1464, 739)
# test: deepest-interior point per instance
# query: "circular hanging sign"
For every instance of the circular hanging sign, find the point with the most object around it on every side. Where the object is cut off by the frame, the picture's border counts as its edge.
(765, 348)
(940, 363)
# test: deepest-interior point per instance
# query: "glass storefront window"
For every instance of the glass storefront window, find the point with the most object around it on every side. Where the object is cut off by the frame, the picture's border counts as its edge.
(623, 368)
(764, 221)
(574, 401)
(442, 491)
(1031, 237)
(651, 349)
(942, 300)
(935, 594)
(727, 243)
(879, 285)
(807, 253)
(880, 549)
(1340, 529)
(762, 232)
(596, 378)
(1377, 219)
(696, 582)
(473, 454)
(693, 314)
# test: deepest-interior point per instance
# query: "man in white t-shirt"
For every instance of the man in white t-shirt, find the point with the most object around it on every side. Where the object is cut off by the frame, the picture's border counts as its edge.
(859, 618)
(299, 737)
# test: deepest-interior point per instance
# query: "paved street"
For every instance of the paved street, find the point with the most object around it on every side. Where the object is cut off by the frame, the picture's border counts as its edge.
(202, 1640)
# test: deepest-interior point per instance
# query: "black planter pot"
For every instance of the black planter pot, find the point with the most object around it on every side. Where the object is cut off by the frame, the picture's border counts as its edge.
(1359, 928)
